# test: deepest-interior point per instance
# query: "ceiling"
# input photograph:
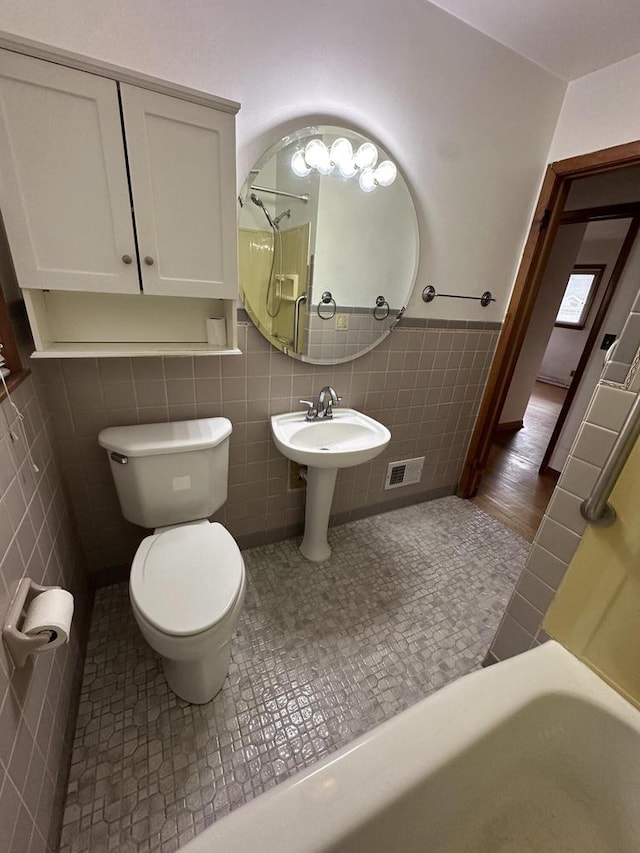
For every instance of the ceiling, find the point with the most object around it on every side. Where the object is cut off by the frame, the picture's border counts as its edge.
(570, 38)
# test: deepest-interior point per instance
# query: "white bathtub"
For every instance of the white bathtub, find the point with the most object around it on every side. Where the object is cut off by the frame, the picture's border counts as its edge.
(534, 755)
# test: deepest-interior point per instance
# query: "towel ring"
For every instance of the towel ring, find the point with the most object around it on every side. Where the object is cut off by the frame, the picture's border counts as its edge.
(381, 304)
(327, 299)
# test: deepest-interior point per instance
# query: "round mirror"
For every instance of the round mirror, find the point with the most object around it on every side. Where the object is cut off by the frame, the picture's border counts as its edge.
(328, 242)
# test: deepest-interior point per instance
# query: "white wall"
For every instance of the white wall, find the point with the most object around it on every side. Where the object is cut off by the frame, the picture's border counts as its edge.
(563, 352)
(561, 261)
(469, 121)
(599, 110)
(365, 244)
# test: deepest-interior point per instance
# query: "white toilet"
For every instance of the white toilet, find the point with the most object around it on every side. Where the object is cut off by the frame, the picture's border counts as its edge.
(187, 580)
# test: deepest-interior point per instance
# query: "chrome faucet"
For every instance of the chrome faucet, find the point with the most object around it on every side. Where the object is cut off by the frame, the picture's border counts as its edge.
(327, 398)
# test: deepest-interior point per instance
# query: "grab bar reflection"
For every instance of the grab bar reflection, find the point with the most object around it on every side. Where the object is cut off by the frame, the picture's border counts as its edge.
(596, 509)
(296, 321)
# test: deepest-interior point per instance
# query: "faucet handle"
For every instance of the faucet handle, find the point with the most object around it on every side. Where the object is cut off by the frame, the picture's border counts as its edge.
(328, 406)
(312, 411)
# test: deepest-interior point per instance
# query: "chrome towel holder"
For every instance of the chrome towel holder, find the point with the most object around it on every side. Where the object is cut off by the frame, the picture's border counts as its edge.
(429, 294)
(327, 299)
(381, 306)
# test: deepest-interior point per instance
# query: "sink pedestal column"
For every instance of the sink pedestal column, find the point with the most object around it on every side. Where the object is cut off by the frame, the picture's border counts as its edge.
(320, 485)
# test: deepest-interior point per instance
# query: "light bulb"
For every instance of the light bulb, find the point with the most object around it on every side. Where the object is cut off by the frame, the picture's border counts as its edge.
(341, 151)
(348, 168)
(323, 163)
(367, 181)
(325, 168)
(385, 173)
(315, 153)
(299, 166)
(366, 156)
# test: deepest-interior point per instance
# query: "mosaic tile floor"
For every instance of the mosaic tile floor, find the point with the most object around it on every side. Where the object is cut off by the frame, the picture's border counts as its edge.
(409, 601)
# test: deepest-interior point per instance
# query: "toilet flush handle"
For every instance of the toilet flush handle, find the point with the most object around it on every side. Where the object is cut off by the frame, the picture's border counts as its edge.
(119, 458)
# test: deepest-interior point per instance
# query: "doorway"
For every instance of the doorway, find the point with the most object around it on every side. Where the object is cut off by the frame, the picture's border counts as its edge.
(534, 430)
(567, 199)
(512, 489)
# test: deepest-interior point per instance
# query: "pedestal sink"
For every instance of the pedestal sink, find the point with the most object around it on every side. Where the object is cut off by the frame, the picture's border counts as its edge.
(324, 445)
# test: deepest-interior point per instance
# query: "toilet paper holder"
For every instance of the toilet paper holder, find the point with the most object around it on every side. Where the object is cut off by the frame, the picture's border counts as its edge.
(19, 645)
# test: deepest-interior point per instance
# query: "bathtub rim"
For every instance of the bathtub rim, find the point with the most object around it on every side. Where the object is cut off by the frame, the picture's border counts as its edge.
(332, 798)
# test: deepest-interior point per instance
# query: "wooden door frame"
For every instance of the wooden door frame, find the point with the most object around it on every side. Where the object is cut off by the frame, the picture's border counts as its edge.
(542, 234)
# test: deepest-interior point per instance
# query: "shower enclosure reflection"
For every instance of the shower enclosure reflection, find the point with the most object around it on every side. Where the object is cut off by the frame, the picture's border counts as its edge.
(328, 244)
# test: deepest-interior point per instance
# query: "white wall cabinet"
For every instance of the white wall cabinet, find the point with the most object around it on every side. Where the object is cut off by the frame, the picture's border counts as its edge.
(114, 195)
(181, 159)
(63, 178)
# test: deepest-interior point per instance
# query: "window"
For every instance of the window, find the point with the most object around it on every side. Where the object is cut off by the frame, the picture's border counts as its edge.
(578, 296)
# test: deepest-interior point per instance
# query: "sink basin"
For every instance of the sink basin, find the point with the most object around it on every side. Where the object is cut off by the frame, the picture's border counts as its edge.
(349, 438)
(324, 445)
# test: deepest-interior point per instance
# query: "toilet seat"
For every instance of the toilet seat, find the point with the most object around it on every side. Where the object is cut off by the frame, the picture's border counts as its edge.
(184, 580)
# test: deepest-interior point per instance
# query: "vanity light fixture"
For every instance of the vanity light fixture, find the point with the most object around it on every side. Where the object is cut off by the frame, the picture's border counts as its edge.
(385, 173)
(367, 180)
(366, 156)
(299, 165)
(325, 167)
(341, 152)
(348, 169)
(316, 155)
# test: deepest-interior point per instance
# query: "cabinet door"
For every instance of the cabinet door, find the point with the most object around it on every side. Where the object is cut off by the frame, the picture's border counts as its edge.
(64, 194)
(182, 169)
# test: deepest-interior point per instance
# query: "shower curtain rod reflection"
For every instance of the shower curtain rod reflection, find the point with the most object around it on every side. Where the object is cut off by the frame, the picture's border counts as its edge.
(304, 198)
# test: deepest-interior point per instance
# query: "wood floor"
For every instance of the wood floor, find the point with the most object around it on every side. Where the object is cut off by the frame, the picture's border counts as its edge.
(512, 490)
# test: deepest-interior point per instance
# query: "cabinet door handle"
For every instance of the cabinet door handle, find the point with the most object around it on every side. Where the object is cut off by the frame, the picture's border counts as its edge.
(127, 259)
(148, 261)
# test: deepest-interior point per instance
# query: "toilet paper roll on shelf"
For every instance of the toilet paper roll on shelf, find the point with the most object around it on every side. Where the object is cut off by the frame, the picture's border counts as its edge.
(48, 612)
(216, 331)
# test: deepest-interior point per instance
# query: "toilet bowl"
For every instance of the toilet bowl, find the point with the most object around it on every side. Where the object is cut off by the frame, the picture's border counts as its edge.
(188, 616)
(187, 580)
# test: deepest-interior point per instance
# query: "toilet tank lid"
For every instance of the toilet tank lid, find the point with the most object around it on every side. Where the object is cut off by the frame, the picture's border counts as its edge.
(174, 437)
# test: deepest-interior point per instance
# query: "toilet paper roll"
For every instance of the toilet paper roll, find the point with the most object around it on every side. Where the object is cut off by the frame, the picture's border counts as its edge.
(217, 331)
(50, 613)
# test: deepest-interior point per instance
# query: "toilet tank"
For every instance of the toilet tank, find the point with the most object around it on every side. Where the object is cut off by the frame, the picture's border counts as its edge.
(169, 473)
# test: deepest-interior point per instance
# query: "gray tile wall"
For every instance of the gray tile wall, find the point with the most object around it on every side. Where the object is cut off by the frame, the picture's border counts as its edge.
(324, 341)
(37, 702)
(425, 384)
(561, 530)
(625, 352)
